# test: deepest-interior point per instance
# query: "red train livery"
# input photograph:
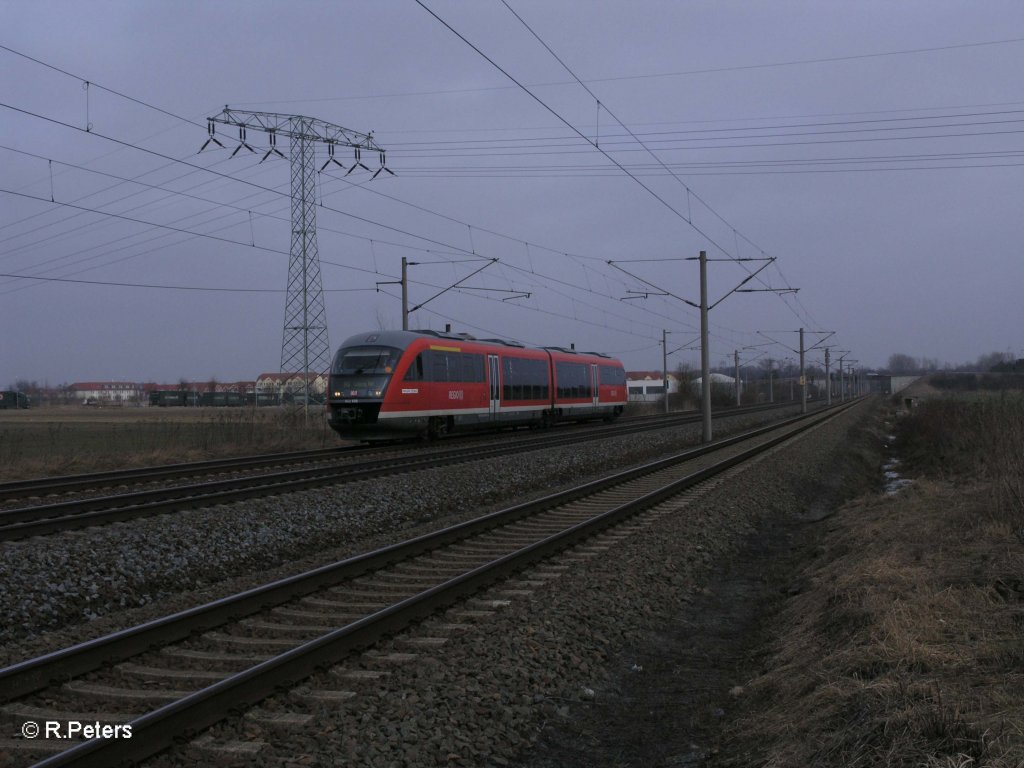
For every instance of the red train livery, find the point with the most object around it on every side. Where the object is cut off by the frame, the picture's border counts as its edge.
(393, 384)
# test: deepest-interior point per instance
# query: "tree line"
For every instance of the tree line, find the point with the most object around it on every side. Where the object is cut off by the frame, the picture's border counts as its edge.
(902, 364)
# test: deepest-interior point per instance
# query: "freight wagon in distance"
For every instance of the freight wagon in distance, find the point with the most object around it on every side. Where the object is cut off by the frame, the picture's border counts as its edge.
(11, 398)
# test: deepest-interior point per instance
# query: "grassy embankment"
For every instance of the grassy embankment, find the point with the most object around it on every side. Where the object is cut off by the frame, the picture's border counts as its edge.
(906, 648)
(67, 440)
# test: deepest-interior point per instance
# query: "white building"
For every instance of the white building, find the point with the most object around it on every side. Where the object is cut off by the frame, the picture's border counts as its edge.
(717, 380)
(100, 392)
(649, 386)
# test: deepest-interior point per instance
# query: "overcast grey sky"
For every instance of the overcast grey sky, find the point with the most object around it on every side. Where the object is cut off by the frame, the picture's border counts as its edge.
(874, 148)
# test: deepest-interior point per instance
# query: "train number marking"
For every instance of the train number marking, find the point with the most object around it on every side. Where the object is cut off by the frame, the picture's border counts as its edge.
(456, 394)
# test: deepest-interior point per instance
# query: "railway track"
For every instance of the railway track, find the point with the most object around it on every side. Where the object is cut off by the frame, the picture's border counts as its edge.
(53, 486)
(68, 484)
(332, 467)
(173, 677)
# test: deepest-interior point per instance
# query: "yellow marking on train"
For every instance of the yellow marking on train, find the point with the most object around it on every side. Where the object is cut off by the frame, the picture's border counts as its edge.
(446, 349)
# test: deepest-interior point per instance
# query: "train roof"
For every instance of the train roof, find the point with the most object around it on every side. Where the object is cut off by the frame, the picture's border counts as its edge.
(402, 339)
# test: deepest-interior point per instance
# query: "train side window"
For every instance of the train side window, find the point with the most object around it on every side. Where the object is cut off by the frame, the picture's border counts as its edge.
(524, 379)
(506, 378)
(538, 385)
(439, 367)
(612, 376)
(472, 367)
(416, 368)
(573, 380)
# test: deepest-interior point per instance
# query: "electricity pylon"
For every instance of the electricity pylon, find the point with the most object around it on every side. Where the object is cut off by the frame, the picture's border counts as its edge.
(305, 348)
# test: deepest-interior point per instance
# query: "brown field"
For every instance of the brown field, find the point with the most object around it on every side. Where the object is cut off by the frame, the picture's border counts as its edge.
(906, 646)
(62, 440)
(70, 439)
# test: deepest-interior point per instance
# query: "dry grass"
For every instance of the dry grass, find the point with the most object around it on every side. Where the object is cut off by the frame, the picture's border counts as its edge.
(66, 440)
(976, 439)
(908, 647)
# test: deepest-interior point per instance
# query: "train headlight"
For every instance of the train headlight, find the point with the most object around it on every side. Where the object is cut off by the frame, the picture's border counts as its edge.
(378, 393)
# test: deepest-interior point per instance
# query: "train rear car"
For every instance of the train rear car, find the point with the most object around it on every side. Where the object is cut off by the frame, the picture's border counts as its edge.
(588, 385)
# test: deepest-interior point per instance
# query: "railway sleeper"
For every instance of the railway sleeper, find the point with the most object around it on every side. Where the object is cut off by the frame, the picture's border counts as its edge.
(101, 692)
(208, 745)
(278, 720)
(301, 629)
(274, 643)
(198, 676)
(320, 697)
(241, 661)
(333, 617)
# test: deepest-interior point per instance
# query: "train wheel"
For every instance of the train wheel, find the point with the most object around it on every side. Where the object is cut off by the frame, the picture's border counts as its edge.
(437, 427)
(609, 418)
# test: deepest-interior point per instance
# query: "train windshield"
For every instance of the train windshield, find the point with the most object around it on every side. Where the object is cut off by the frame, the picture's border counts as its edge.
(364, 369)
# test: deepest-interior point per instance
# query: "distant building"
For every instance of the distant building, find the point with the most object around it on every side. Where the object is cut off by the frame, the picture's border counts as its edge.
(106, 392)
(649, 386)
(884, 384)
(717, 380)
(284, 386)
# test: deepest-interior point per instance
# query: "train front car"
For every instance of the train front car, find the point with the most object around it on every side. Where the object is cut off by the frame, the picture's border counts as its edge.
(361, 373)
(404, 384)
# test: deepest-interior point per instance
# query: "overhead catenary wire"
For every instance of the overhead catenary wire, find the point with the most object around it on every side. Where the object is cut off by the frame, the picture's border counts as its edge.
(689, 192)
(236, 208)
(243, 244)
(116, 284)
(573, 128)
(198, 234)
(226, 176)
(232, 179)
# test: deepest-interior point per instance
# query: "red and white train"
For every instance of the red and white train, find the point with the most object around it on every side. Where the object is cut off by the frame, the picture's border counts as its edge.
(395, 384)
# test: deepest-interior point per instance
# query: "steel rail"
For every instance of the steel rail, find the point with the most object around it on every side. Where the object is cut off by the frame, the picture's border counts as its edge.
(20, 489)
(45, 519)
(161, 728)
(31, 675)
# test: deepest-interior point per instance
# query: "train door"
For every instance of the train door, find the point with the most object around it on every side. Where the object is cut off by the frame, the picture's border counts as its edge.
(492, 376)
(595, 388)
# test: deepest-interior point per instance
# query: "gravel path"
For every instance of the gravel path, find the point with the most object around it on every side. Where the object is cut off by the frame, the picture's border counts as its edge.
(61, 589)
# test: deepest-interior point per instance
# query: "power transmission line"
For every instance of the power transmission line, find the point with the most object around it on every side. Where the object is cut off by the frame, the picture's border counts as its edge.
(260, 187)
(654, 75)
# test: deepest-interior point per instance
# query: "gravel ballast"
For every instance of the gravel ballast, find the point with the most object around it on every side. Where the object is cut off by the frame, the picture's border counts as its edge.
(484, 697)
(61, 589)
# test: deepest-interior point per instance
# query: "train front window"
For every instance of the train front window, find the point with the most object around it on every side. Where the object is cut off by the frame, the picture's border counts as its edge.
(363, 370)
(365, 361)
